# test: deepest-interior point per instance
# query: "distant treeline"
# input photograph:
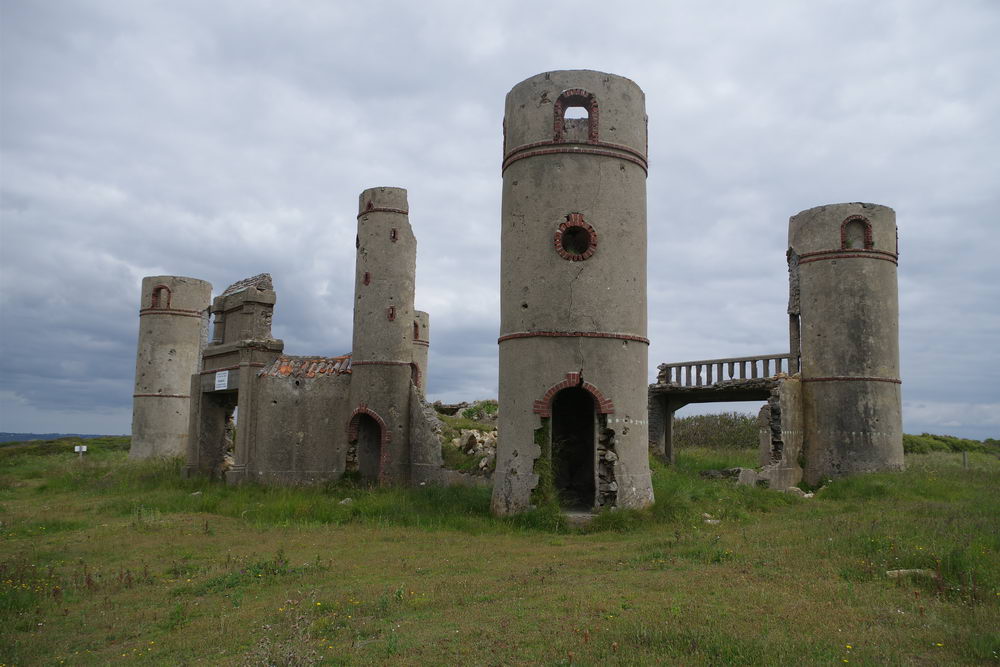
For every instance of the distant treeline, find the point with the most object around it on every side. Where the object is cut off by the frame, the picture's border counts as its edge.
(24, 437)
(735, 430)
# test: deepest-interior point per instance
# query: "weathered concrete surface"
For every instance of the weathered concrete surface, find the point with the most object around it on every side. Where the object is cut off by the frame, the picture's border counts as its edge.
(241, 346)
(173, 327)
(382, 352)
(847, 305)
(425, 443)
(300, 428)
(421, 345)
(573, 278)
(781, 439)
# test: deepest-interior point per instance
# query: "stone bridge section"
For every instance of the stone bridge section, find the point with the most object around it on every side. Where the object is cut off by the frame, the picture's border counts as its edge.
(762, 378)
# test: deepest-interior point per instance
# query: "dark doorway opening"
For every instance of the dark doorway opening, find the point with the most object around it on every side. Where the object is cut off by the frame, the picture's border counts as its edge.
(369, 447)
(217, 433)
(573, 432)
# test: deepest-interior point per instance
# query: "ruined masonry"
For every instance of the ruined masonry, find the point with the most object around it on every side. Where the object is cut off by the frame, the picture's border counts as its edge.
(833, 402)
(573, 347)
(576, 418)
(301, 419)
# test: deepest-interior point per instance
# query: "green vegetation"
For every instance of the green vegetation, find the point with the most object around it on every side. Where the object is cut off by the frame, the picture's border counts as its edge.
(481, 410)
(727, 430)
(455, 458)
(108, 560)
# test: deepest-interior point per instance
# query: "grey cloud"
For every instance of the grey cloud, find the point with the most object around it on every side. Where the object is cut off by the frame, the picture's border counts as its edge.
(220, 140)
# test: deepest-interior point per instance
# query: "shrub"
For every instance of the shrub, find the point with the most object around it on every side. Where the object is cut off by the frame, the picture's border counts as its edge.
(729, 430)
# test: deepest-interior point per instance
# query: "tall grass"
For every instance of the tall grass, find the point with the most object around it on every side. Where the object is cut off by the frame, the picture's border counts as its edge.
(728, 430)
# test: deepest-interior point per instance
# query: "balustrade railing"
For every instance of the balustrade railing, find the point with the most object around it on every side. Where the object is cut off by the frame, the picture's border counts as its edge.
(709, 371)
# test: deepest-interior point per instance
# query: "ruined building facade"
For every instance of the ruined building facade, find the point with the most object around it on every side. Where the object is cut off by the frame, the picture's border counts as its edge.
(301, 419)
(833, 405)
(576, 418)
(573, 346)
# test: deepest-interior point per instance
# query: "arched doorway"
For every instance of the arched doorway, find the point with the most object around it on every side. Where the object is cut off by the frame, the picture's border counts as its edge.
(369, 447)
(574, 428)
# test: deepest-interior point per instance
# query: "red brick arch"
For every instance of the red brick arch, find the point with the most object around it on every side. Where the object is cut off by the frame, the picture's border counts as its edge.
(543, 406)
(352, 424)
(575, 97)
(156, 298)
(866, 223)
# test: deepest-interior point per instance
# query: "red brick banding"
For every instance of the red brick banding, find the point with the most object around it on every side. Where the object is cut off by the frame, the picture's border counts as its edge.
(171, 311)
(543, 406)
(824, 255)
(574, 220)
(868, 231)
(845, 378)
(371, 208)
(572, 334)
(425, 343)
(605, 150)
(160, 396)
(380, 363)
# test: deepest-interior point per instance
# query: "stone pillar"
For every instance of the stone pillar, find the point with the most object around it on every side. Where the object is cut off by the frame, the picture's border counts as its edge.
(421, 345)
(173, 326)
(845, 258)
(382, 352)
(573, 290)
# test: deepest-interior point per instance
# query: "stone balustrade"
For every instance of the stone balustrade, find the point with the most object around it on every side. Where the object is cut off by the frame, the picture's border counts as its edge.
(711, 371)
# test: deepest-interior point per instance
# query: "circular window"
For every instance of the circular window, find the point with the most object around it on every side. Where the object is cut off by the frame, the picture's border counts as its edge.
(575, 239)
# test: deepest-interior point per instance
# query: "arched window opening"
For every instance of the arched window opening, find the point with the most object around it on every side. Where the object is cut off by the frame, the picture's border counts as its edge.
(367, 279)
(160, 297)
(415, 375)
(576, 117)
(391, 313)
(574, 427)
(856, 234)
(416, 330)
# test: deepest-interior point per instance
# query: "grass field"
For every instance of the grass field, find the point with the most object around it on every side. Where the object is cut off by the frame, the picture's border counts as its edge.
(106, 561)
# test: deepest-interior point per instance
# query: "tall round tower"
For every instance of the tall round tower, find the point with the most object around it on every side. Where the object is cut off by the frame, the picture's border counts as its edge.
(844, 312)
(421, 345)
(573, 348)
(173, 329)
(382, 352)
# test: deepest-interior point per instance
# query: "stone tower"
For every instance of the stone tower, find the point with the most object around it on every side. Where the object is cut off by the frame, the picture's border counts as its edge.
(382, 352)
(421, 345)
(844, 322)
(173, 328)
(573, 348)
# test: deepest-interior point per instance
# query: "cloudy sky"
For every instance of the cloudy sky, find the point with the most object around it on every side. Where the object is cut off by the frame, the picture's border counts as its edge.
(219, 139)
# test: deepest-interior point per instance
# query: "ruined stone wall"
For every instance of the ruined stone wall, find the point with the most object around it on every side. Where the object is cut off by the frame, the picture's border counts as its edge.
(173, 322)
(301, 433)
(781, 435)
(845, 256)
(573, 278)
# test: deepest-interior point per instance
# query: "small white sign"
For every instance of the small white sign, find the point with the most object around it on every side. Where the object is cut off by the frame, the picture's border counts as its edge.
(80, 448)
(222, 380)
